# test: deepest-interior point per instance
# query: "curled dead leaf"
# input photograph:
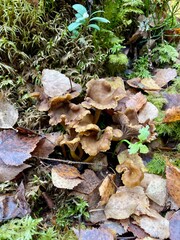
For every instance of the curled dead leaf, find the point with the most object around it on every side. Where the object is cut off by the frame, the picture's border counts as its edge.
(107, 188)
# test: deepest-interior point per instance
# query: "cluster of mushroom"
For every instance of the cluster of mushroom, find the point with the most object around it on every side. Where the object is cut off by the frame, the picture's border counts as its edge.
(83, 135)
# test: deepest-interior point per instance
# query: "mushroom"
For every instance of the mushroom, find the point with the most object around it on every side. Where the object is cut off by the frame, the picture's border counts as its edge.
(101, 95)
(97, 141)
(132, 174)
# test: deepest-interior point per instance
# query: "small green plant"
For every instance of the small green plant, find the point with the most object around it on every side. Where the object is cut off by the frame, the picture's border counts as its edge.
(157, 165)
(72, 208)
(84, 20)
(139, 146)
(141, 68)
(26, 228)
(164, 53)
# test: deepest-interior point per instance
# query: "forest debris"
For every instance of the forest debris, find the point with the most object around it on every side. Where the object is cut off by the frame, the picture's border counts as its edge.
(65, 176)
(156, 226)
(148, 112)
(144, 83)
(94, 233)
(163, 76)
(115, 227)
(8, 114)
(136, 101)
(107, 188)
(57, 84)
(173, 186)
(8, 172)
(172, 115)
(156, 191)
(14, 205)
(15, 148)
(174, 225)
(132, 174)
(125, 202)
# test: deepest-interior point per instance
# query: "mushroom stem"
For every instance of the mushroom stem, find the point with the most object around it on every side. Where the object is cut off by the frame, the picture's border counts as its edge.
(63, 151)
(80, 151)
(96, 116)
(89, 159)
(74, 156)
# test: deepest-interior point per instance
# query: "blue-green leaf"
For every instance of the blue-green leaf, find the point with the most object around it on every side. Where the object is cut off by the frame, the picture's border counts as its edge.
(81, 19)
(144, 133)
(143, 148)
(133, 148)
(99, 11)
(79, 8)
(100, 19)
(78, 15)
(94, 26)
(74, 26)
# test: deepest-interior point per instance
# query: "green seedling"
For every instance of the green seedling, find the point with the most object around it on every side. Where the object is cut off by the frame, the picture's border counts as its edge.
(139, 146)
(84, 20)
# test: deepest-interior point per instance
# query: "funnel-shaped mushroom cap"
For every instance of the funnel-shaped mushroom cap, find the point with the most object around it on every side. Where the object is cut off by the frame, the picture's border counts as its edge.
(71, 140)
(101, 95)
(97, 142)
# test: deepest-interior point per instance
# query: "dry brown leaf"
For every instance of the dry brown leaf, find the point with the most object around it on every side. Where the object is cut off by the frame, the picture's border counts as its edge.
(173, 182)
(89, 183)
(125, 202)
(156, 226)
(65, 176)
(136, 101)
(15, 148)
(175, 226)
(57, 84)
(173, 100)
(107, 188)
(132, 174)
(156, 191)
(163, 76)
(94, 234)
(145, 84)
(8, 173)
(172, 115)
(115, 227)
(8, 114)
(148, 112)
(137, 231)
(14, 205)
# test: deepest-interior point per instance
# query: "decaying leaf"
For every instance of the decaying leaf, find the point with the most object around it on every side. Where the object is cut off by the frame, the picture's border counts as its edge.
(125, 202)
(146, 84)
(94, 233)
(115, 227)
(173, 186)
(136, 101)
(8, 173)
(132, 174)
(137, 231)
(57, 84)
(148, 112)
(174, 225)
(163, 76)
(14, 205)
(172, 115)
(156, 226)
(8, 114)
(15, 148)
(65, 176)
(107, 188)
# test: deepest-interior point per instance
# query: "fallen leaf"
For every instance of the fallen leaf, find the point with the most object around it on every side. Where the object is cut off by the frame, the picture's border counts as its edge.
(156, 226)
(137, 231)
(136, 101)
(174, 225)
(125, 202)
(57, 84)
(15, 148)
(148, 112)
(163, 76)
(173, 186)
(172, 115)
(115, 227)
(156, 191)
(107, 188)
(8, 173)
(89, 183)
(65, 176)
(144, 83)
(173, 100)
(94, 234)
(8, 114)
(46, 145)
(14, 205)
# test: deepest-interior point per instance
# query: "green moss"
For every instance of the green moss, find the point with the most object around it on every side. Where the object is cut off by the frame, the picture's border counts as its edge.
(157, 165)
(174, 87)
(117, 63)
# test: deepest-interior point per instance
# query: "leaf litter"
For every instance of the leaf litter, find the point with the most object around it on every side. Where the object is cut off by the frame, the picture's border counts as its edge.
(128, 197)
